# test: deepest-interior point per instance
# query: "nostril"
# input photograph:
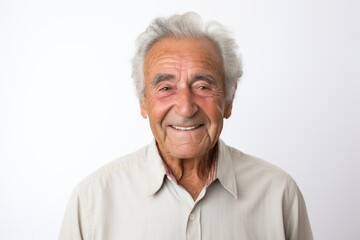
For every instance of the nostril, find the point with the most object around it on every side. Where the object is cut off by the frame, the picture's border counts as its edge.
(185, 103)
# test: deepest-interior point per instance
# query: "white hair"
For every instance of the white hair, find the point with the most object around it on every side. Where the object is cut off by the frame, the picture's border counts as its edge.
(189, 25)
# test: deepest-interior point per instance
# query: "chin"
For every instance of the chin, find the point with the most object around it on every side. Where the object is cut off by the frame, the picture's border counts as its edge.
(187, 153)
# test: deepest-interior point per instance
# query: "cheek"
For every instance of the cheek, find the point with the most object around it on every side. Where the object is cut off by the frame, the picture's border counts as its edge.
(158, 109)
(214, 109)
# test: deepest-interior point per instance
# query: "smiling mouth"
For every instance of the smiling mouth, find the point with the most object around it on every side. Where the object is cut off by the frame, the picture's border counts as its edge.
(189, 128)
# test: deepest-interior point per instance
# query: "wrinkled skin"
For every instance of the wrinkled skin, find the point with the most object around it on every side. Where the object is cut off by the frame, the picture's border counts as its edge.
(185, 102)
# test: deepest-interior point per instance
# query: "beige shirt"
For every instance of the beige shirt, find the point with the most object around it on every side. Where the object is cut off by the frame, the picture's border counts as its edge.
(132, 198)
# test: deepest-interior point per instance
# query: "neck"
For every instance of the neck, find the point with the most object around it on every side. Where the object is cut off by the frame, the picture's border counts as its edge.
(192, 174)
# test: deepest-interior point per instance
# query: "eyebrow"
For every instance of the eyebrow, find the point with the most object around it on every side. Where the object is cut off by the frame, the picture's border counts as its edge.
(206, 77)
(198, 76)
(162, 77)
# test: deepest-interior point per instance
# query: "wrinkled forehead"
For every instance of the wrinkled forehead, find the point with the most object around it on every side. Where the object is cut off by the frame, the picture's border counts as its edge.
(178, 42)
(199, 50)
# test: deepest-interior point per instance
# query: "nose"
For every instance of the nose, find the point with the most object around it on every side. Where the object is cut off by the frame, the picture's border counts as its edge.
(186, 105)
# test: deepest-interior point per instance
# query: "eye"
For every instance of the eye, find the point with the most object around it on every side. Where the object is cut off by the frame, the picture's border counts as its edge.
(203, 88)
(164, 89)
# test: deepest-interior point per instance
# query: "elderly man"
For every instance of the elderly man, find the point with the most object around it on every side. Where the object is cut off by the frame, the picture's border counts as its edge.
(187, 184)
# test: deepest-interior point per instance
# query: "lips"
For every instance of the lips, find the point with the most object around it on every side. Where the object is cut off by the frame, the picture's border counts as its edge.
(187, 128)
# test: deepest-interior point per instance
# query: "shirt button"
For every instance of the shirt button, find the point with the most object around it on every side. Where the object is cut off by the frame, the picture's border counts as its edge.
(191, 216)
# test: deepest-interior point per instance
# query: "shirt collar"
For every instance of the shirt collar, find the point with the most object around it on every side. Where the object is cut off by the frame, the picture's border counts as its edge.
(225, 169)
(156, 170)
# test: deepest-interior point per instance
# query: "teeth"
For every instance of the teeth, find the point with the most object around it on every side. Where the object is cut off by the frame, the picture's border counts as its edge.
(185, 128)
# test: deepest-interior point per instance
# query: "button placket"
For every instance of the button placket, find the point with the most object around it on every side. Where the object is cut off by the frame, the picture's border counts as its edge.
(193, 230)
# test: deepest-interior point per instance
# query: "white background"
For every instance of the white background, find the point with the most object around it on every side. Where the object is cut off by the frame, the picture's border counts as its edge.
(67, 103)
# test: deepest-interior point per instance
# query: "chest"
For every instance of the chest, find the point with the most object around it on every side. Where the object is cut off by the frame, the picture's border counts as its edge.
(172, 214)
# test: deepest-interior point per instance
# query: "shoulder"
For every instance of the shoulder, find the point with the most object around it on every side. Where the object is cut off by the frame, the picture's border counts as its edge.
(254, 170)
(252, 163)
(115, 173)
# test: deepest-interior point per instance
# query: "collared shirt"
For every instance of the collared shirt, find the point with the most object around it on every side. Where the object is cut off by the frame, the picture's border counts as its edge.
(211, 176)
(131, 198)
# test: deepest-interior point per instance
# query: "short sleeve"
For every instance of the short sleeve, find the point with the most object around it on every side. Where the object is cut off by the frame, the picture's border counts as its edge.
(296, 221)
(74, 225)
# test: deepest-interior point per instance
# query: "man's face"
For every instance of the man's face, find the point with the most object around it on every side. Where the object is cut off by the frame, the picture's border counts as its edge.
(184, 96)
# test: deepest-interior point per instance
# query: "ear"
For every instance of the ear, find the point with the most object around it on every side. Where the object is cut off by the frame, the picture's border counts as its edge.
(228, 109)
(143, 108)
